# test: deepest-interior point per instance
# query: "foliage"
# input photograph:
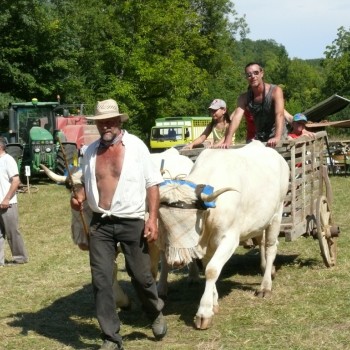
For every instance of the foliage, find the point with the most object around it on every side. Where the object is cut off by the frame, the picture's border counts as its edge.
(155, 57)
(37, 54)
(337, 64)
(5, 99)
(303, 85)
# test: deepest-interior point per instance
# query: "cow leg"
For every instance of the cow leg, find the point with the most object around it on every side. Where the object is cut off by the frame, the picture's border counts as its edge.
(154, 253)
(215, 300)
(193, 272)
(271, 242)
(121, 298)
(162, 285)
(262, 249)
(209, 301)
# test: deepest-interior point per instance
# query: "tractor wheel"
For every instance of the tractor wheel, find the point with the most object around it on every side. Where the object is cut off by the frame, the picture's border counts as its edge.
(20, 156)
(71, 153)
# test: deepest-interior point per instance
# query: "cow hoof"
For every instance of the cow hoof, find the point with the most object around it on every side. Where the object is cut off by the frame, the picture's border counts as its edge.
(126, 307)
(263, 294)
(216, 309)
(203, 323)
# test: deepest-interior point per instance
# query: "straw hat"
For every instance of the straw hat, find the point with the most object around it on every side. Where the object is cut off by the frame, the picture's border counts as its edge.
(108, 109)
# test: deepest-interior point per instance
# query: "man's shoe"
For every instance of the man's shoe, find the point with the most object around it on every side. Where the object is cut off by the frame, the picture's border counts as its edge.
(15, 262)
(109, 345)
(159, 327)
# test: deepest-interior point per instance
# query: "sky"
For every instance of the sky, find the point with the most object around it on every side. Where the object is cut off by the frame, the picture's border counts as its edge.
(303, 27)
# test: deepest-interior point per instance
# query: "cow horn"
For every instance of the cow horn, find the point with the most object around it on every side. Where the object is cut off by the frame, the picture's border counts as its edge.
(214, 195)
(53, 176)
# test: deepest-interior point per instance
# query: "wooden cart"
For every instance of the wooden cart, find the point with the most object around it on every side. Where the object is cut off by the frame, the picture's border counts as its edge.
(307, 208)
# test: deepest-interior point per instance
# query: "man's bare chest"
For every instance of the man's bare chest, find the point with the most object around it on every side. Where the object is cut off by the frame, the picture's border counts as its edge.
(109, 162)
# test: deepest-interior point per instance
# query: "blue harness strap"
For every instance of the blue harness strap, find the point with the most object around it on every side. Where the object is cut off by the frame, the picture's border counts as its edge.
(206, 189)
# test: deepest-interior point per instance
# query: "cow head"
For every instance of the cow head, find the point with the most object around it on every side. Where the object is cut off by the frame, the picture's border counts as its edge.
(182, 205)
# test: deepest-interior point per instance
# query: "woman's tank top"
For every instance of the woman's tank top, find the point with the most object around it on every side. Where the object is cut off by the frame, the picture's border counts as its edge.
(220, 134)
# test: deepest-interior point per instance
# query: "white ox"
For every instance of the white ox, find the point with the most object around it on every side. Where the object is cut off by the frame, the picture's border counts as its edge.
(250, 185)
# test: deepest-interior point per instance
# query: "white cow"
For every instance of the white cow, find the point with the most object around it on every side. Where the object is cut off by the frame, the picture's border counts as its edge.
(172, 164)
(251, 184)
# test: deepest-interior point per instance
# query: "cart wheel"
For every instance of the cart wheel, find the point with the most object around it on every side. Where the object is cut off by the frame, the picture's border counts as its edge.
(327, 243)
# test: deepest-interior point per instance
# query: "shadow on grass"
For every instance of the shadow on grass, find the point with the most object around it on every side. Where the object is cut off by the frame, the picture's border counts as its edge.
(65, 320)
(183, 298)
(70, 320)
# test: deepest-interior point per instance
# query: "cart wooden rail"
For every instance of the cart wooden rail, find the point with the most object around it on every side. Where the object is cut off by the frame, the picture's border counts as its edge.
(308, 202)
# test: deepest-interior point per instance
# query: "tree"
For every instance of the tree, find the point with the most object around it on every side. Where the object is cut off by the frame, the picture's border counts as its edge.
(160, 58)
(37, 53)
(337, 65)
(302, 86)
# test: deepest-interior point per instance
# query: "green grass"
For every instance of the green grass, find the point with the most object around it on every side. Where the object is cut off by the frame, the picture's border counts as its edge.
(48, 303)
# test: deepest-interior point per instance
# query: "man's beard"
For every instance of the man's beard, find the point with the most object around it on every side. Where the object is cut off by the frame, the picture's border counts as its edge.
(108, 137)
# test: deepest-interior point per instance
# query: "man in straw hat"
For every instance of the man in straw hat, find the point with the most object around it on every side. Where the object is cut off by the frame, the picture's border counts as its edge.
(119, 178)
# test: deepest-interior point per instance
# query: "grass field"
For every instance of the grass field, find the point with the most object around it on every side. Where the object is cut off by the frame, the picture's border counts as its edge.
(48, 303)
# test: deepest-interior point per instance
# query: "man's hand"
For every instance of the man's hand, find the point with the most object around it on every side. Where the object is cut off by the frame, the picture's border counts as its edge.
(76, 204)
(5, 203)
(78, 198)
(272, 142)
(151, 230)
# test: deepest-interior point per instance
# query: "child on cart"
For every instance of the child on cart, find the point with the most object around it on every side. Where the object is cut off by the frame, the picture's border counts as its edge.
(298, 125)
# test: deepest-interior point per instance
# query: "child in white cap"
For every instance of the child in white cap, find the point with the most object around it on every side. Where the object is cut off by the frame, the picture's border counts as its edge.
(218, 126)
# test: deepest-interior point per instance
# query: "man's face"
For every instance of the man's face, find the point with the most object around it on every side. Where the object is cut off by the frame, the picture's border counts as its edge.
(254, 75)
(109, 128)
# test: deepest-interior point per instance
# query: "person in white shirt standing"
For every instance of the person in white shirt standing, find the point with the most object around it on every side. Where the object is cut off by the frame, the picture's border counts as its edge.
(119, 178)
(9, 182)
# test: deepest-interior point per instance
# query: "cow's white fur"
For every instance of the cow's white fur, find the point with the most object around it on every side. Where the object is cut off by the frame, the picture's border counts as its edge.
(260, 178)
(172, 164)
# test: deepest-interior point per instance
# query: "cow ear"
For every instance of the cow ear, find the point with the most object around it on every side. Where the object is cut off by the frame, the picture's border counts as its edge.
(206, 190)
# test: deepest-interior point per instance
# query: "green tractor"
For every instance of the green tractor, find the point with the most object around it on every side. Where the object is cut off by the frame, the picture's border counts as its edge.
(37, 132)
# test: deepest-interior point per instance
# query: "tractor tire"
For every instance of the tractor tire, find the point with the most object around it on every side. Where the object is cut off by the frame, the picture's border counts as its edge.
(15, 150)
(71, 152)
(20, 156)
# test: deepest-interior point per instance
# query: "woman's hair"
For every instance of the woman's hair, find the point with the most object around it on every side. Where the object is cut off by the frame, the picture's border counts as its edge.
(226, 116)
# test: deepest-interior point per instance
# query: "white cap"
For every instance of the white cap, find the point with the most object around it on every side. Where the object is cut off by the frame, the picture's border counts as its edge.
(217, 104)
